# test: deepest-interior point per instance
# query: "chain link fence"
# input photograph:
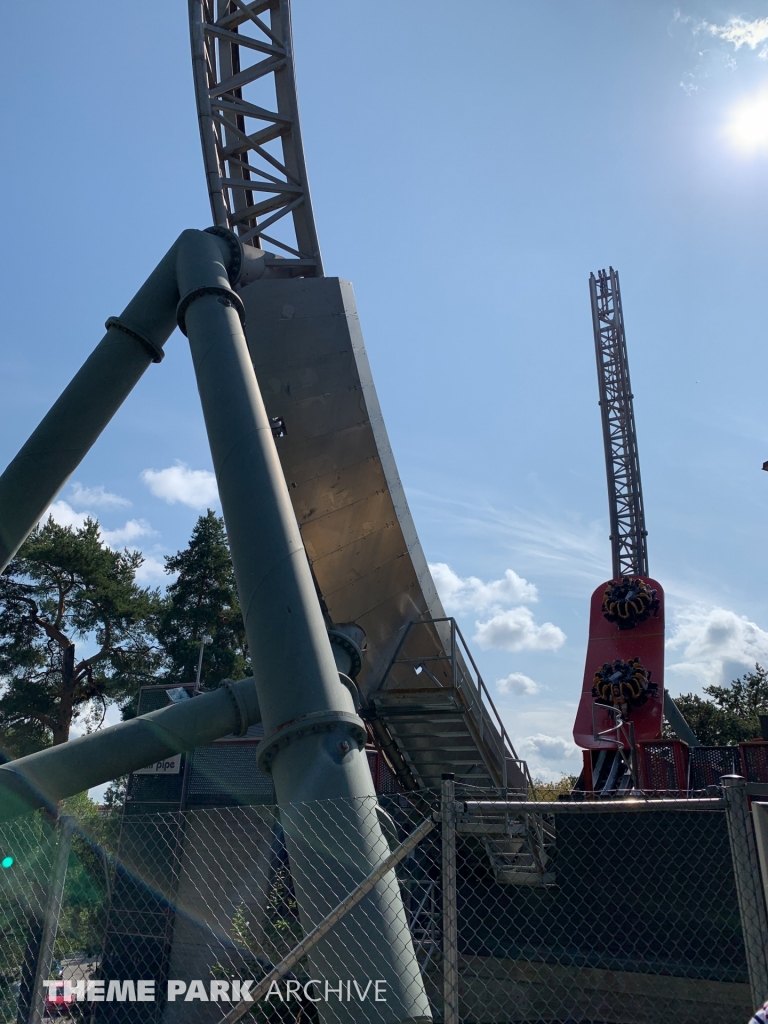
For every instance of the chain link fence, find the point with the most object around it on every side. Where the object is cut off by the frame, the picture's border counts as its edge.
(622, 912)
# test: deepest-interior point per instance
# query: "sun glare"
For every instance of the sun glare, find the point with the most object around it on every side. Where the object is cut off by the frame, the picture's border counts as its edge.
(747, 126)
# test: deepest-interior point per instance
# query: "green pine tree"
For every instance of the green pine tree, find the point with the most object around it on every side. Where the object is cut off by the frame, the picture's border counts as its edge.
(728, 714)
(202, 601)
(64, 591)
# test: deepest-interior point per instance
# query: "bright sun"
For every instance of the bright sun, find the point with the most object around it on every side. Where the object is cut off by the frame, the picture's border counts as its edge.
(747, 126)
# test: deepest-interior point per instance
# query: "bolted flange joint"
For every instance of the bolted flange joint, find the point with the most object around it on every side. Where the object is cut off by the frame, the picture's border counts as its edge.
(235, 246)
(120, 324)
(346, 637)
(240, 709)
(226, 296)
(317, 722)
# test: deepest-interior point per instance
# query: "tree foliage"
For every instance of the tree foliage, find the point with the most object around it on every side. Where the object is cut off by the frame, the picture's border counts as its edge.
(728, 714)
(202, 601)
(66, 591)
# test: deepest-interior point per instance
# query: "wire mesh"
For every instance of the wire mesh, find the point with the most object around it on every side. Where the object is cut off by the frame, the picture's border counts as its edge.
(28, 854)
(618, 918)
(610, 917)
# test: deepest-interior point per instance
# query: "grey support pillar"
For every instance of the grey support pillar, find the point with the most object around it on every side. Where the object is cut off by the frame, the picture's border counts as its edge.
(58, 445)
(749, 888)
(314, 741)
(450, 907)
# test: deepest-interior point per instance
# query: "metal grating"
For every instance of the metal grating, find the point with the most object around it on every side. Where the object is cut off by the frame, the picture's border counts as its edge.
(384, 779)
(754, 761)
(227, 774)
(709, 764)
(663, 766)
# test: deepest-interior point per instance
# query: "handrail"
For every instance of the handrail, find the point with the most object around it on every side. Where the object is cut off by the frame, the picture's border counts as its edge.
(479, 697)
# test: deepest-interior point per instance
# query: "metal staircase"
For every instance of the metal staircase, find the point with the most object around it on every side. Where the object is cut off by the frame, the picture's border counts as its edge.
(520, 848)
(524, 854)
(439, 716)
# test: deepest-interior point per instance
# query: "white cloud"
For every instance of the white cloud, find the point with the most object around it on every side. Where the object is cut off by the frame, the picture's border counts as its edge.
(517, 683)
(63, 514)
(716, 645)
(565, 549)
(551, 748)
(470, 593)
(193, 487)
(96, 497)
(151, 570)
(515, 630)
(510, 628)
(739, 32)
(123, 535)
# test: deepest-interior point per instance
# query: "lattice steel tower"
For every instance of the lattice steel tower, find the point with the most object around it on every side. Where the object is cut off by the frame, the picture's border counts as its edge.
(249, 127)
(629, 547)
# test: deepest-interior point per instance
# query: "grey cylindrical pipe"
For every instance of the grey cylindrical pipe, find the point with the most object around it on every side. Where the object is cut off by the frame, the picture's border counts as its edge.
(50, 775)
(43, 465)
(314, 741)
(675, 718)
(65, 435)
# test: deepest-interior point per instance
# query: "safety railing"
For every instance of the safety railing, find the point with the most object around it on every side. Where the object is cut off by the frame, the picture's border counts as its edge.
(451, 650)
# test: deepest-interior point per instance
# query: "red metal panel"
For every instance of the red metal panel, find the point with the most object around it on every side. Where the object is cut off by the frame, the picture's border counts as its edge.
(607, 643)
(384, 779)
(589, 784)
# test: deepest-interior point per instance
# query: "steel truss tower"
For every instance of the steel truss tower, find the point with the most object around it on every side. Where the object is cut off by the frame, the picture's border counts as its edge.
(629, 547)
(249, 127)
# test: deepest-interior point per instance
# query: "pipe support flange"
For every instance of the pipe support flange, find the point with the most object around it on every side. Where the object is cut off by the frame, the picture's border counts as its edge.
(317, 722)
(227, 297)
(348, 645)
(353, 688)
(154, 350)
(235, 268)
(240, 709)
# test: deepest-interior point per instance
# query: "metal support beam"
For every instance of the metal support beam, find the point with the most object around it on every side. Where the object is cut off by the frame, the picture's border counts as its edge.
(628, 805)
(674, 716)
(235, 49)
(50, 775)
(629, 547)
(314, 741)
(58, 445)
(450, 908)
(749, 889)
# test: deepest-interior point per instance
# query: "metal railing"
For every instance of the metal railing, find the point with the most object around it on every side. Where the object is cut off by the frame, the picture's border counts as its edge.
(472, 692)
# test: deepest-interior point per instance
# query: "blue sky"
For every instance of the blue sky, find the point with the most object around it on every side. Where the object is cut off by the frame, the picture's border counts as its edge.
(470, 165)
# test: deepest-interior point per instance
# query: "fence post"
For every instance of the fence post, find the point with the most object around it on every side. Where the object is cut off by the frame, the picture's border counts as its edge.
(749, 889)
(51, 920)
(450, 909)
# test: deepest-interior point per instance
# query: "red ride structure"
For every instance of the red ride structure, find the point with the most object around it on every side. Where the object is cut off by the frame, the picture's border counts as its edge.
(623, 702)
